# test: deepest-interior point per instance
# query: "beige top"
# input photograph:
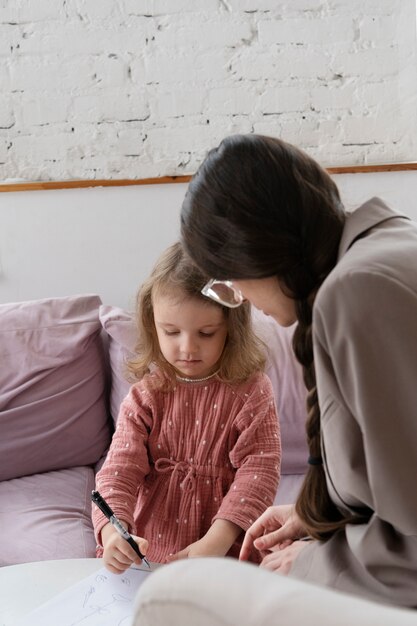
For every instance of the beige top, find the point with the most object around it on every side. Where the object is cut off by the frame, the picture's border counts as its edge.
(365, 347)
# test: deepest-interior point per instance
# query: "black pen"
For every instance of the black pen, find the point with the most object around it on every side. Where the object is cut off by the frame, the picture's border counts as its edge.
(104, 507)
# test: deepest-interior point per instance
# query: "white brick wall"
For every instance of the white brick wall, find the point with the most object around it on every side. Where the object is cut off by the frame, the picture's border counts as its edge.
(138, 88)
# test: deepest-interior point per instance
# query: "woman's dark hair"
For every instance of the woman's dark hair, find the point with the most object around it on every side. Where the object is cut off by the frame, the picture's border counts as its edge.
(258, 207)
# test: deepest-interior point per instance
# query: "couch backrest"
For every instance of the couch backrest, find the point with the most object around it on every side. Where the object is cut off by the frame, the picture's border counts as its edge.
(53, 411)
(290, 392)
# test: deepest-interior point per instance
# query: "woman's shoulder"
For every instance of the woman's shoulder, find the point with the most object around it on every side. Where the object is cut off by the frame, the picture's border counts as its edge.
(381, 256)
(361, 283)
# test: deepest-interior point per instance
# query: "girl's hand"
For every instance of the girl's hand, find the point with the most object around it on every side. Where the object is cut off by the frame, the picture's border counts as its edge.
(274, 530)
(281, 560)
(216, 542)
(199, 548)
(118, 555)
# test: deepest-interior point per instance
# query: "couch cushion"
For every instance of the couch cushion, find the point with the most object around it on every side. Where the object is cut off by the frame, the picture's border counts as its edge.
(52, 385)
(50, 514)
(290, 393)
(121, 330)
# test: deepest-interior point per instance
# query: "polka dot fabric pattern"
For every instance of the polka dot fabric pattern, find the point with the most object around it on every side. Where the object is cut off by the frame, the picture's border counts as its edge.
(180, 459)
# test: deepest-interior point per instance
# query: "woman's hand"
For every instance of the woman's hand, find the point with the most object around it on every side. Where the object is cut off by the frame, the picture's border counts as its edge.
(274, 530)
(281, 560)
(118, 555)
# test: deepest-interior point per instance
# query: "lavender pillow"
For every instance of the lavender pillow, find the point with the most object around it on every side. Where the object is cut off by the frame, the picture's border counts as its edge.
(52, 385)
(121, 330)
(48, 516)
(290, 393)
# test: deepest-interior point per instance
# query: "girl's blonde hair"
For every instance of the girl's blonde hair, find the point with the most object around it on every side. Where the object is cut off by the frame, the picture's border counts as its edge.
(175, 273)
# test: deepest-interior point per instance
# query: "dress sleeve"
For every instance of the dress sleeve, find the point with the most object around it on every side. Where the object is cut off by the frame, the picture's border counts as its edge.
(256, 456)
(126, 463)
(365, 347)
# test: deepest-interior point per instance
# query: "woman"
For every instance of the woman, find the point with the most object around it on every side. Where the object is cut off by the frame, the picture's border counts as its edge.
(266, 222)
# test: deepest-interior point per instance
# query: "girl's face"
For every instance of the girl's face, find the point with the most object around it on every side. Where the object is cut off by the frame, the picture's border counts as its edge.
(267, 295)
(191, 334)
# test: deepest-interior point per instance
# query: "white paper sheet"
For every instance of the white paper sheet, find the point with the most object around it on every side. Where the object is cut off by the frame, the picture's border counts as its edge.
(101, 599)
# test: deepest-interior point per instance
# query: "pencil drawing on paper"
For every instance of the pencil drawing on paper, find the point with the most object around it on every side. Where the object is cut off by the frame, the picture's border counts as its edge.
(94, 609)
(101, 599)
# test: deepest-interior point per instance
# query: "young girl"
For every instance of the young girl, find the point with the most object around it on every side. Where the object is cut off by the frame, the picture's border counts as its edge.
(196, 454)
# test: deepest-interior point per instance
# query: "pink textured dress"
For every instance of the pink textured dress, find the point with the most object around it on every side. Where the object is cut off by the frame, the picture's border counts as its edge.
(182, 458)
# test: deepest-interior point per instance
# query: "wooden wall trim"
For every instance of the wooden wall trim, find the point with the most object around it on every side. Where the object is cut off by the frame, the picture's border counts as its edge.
(105, 182)
(366, 169)
(124, 182)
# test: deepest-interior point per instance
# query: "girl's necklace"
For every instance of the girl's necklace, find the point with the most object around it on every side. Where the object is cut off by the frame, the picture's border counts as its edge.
(184, 379)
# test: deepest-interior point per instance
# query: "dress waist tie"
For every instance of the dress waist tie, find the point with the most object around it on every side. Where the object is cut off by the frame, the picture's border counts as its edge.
(178, 469)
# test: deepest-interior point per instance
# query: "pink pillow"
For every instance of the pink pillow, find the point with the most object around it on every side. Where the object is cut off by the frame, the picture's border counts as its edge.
(49, 516)
(121, 330)
(52, 385)
(290, 393)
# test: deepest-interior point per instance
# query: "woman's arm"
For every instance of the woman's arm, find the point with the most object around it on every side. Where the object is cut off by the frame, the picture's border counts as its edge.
(366, 367)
